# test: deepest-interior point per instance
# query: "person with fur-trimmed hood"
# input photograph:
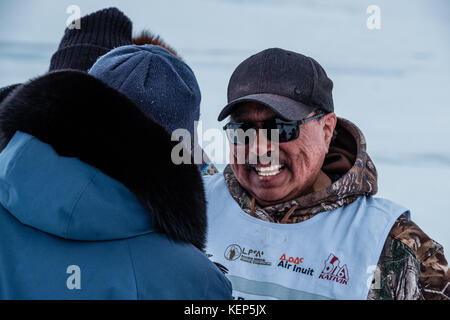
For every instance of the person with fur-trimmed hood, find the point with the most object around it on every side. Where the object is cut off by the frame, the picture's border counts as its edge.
(91, 205)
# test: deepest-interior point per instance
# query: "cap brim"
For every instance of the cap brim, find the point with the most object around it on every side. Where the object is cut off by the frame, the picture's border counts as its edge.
(287, 108)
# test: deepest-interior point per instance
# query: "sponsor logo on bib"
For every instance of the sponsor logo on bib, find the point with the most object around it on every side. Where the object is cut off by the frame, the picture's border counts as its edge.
(293, 263)
(234, 252)
(334, 272)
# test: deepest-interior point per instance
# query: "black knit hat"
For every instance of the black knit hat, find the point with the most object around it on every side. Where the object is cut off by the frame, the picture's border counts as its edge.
(99, 32)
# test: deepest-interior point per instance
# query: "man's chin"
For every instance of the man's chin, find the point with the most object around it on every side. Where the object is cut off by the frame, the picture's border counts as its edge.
(266, 198)
(269, 189)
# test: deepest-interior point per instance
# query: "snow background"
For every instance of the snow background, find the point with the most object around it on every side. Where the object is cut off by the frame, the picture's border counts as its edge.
(393, 82)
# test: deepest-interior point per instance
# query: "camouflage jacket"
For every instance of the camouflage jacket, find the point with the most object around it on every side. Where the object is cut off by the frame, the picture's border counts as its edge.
(411, 266)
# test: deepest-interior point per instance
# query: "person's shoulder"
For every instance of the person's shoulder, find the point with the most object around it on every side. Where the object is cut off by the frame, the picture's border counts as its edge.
(397, 274)
(386, 205)
(410, 234)
(434, 274)
(176, 265)
(5, 91)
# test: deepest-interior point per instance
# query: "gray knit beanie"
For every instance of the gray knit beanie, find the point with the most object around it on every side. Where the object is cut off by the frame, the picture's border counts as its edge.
(163, 86)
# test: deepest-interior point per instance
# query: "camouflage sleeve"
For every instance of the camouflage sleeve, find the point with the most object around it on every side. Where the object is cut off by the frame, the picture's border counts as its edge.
(411, 266)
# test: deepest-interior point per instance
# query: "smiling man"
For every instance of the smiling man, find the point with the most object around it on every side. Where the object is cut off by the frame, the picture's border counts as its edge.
(294, 215)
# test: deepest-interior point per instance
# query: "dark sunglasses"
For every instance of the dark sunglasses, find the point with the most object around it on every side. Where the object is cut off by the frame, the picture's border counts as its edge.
(243, 133)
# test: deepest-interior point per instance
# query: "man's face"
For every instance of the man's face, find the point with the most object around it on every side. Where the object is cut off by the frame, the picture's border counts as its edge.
(300, 160)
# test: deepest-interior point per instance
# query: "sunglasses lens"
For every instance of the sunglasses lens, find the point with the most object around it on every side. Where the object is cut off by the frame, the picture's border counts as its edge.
(288, 132)
(240, 134)
(275, 130)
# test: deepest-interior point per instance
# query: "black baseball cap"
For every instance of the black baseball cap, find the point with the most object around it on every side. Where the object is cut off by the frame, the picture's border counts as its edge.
(289, 83)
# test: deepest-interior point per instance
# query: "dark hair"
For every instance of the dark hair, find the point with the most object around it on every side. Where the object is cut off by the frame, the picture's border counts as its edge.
(146, 37)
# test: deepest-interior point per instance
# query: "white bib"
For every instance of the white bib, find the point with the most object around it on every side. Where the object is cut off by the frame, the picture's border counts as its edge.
(332, 255)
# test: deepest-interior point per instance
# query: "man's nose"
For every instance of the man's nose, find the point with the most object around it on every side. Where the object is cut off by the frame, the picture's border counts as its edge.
(261, 146)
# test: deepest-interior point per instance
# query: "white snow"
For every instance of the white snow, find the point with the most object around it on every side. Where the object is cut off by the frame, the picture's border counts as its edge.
(393, 82)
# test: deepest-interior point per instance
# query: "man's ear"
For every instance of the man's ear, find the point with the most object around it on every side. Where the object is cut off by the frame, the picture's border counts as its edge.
(329, 123)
